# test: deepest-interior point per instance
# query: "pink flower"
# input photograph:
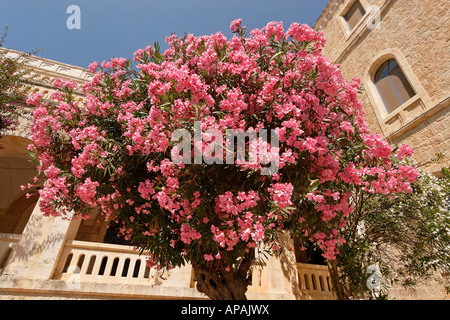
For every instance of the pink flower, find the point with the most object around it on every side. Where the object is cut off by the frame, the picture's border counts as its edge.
(172, 184)
(235, 25)
(274, 29)
(146, 189)
(258, 233)
(34, 99)
(188, 234)
(404, 151)
(347, 127)
(302, 32)
(61, 83)
(378, 148)
(409, 173)
(52, 172)
(93, 66)
(320, 236)
(87, 191)
(281, 194)
(208, 257)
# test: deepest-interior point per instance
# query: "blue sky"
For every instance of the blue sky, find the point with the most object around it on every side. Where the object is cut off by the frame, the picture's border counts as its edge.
(117, 28)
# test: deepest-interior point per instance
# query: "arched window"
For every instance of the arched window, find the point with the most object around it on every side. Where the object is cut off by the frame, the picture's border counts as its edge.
(392, 85)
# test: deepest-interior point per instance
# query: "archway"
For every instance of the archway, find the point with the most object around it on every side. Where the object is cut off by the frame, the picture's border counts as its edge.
(17, 168)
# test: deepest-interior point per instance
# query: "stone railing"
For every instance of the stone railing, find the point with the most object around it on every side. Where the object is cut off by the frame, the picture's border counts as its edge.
(314, 281)
(92, 262)
(104, 263)
(7, 241)
(258, 277)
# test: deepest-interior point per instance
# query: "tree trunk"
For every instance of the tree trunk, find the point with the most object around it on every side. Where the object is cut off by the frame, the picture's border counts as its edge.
(219, 284)
(339, 287)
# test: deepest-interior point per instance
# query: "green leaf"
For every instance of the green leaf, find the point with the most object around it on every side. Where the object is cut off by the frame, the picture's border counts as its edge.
(315, 184)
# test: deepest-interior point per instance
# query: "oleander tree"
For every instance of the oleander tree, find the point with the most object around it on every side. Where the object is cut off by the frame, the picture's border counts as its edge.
(148, 147)
(12, 79)
(402, 239)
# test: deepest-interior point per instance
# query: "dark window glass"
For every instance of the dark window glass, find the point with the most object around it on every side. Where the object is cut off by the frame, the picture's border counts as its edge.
(392, 85)
(354, 14)
(113, 236)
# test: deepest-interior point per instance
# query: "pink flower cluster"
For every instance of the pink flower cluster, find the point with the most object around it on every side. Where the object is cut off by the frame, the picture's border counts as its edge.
(87, 191)
(282, 194)
(188, 234)
(61, 83)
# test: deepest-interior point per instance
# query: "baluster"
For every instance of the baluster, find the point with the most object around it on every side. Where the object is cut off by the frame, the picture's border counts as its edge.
(305, 276)
(136, 267)
(126, 268)
(321, 283)
(91, 265)
(67, 263)
(313, 280)
(114, 267)
(102, 266)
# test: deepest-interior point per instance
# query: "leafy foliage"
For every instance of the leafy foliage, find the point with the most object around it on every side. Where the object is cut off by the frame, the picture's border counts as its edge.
(407, 236)
(13, 82)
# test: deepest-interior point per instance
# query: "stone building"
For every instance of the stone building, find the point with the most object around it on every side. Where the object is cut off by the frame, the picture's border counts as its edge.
(398, 48)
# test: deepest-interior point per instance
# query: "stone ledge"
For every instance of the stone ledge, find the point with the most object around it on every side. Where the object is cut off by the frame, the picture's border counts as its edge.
(440, 105)
(28, 289)
(64, 289)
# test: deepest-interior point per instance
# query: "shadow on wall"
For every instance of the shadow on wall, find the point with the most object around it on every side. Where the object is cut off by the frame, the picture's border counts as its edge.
(19, 212)
(287, 263)
(17, 168)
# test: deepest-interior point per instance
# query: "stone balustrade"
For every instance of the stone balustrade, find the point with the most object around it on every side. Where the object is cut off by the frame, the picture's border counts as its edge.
(91, 262)
(258, 279)
(104, 263)
(315, 282)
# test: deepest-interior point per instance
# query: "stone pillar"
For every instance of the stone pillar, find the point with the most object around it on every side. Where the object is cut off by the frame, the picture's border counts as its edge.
(282, 270)
(36, 254)
(279, 275)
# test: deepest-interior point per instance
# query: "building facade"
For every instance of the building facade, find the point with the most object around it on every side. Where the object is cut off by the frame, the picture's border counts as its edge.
(399, 50)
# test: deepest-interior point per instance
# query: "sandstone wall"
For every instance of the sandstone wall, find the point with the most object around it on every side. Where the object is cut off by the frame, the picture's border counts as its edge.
(415, 32)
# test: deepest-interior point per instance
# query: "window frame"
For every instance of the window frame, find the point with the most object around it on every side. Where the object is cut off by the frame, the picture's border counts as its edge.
(394, 88)
(343, 23)
(348, 10)
(406, 112)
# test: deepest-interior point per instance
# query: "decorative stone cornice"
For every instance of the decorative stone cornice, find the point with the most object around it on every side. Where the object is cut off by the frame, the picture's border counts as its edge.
(51, 67)
(42, 72)
(39, 79)
(327, 14)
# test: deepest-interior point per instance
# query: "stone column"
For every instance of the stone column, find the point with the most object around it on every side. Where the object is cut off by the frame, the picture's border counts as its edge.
(279, 278)
(36, 254)
(282, 277)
